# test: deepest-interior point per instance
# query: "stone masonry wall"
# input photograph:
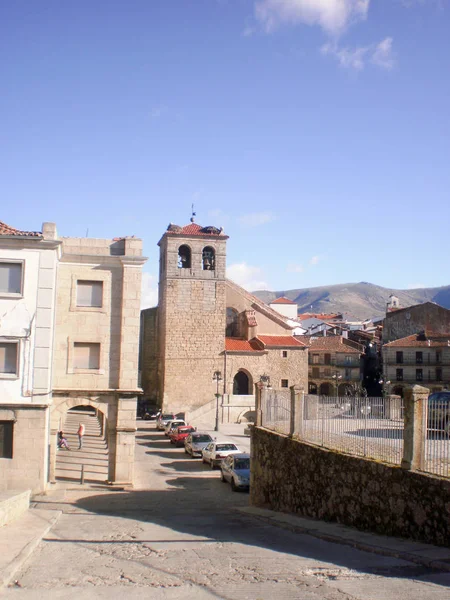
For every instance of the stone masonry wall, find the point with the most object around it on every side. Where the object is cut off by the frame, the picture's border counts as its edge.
(399, 324)
(294, 477)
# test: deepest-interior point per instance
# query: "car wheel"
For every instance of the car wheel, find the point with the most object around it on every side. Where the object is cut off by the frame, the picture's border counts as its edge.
(233, 485)
(212, 465)
(222, 477)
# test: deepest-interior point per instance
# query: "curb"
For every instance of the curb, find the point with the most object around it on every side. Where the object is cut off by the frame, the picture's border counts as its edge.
(437, 564)
(8, 573)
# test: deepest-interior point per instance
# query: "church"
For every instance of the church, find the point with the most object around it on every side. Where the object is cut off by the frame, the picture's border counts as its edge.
(209, 336)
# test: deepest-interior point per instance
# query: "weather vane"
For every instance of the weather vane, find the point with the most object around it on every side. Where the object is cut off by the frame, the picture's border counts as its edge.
(193, 214)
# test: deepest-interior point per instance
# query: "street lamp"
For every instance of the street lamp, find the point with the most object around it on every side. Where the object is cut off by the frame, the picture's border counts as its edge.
(336, 377)
(384, 382)
(265, 379)
(217, 377)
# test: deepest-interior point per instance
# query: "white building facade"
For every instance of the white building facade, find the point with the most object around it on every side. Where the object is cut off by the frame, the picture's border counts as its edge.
(28, 268)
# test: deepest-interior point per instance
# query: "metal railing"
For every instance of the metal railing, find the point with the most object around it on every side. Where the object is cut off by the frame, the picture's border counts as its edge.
(369, 427)
(437, 441)
(276, 410)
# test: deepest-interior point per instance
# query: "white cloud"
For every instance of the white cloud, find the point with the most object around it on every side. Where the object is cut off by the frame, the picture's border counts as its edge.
(315, 260)
(256, 219)
(348, 58)
(292, 268)
(334, 16)
(382, 56)
(250, 278)
(354, 58)
(149, 292)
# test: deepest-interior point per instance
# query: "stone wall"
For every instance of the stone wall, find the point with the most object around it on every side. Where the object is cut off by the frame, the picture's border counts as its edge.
(294, 477)
(407, 321)
(149, 353)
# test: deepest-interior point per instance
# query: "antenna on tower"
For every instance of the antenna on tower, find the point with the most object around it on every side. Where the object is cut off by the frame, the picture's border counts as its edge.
(193, 214)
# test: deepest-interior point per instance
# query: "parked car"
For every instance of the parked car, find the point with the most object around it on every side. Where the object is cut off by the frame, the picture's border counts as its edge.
(178, 435)
(173, 425)
(216, 451)
(163, 419)
(195, 442)
(439, 412)
(236, 469)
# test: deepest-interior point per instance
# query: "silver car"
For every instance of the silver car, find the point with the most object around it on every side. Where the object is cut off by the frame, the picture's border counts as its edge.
(163, 419)
(215, 452)
(173, 425)
(195, 442)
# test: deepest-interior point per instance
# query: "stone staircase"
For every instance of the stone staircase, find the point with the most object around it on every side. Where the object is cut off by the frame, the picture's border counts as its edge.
(93, 456)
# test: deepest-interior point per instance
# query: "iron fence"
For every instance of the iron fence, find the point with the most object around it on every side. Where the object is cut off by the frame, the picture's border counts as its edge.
(437, 440)
(276, 410)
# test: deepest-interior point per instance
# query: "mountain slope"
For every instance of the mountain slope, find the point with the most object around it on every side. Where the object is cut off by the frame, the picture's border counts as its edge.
(360, 300)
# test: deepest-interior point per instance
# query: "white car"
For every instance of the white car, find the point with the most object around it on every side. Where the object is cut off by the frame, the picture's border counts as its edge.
(173, 425)
(216, 451)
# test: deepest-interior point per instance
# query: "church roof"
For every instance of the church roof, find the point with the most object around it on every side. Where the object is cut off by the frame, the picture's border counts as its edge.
(279, 341)
(235, 345)
(8, 230)
(194, 229)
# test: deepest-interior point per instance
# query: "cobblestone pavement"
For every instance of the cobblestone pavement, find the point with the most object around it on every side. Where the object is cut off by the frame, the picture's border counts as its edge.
(178, 535)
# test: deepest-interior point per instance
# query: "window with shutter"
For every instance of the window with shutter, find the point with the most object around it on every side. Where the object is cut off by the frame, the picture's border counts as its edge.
(90, 294)
(86, 356)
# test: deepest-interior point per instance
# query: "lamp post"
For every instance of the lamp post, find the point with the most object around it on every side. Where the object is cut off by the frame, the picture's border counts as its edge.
(336, 377)
(217, 377)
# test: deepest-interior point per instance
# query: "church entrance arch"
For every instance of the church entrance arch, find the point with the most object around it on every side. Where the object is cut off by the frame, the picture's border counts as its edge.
(242, 384)
(325, 389)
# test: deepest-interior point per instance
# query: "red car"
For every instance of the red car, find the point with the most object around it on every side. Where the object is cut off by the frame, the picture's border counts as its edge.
(179, 434)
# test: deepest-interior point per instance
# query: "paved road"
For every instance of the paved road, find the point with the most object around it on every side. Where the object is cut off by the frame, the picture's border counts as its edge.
(178, 535)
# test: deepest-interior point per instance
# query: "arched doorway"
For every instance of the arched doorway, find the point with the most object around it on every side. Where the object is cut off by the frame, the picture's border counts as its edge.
(241, 384)
(342, 389)
(325, 389)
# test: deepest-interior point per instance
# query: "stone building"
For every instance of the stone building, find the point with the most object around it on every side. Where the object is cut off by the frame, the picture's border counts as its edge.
(95, 361)
(204, 324)
(402, 322)
(422, 359)
(28, 262)
(334, 362)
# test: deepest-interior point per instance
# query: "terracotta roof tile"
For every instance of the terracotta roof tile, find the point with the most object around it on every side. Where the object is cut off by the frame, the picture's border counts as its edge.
(235, 345)
(195, 229)
(330, 343)
(7, 230)
(282, 300)
(280, 340)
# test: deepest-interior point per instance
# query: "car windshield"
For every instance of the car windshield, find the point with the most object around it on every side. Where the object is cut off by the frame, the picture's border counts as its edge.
(201, 438)
(226, 447)
(242, 463)
(165, 417)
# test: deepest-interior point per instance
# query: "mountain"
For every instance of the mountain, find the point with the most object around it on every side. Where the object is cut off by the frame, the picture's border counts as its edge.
(360, 300)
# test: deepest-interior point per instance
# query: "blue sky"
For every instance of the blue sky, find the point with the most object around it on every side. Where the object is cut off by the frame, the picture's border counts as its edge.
(316, 132)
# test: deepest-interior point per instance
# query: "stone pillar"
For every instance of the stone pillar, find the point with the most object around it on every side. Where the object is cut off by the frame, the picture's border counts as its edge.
(297, 403)
(311, 407)
(415, 429)
(393, 407)
(121, 440)
(258, 406)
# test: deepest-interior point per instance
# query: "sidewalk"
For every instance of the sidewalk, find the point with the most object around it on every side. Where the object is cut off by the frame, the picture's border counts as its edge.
(433, 557)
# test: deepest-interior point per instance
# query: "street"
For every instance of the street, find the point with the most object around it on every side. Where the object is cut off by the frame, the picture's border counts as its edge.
(178, 535)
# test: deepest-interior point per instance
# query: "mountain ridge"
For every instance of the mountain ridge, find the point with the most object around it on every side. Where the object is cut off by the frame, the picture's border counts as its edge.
(360, 300)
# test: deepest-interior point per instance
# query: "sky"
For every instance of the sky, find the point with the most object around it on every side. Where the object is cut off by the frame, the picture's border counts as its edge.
(315, 132)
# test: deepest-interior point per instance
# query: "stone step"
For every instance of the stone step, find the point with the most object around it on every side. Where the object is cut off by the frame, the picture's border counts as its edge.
(12, 505)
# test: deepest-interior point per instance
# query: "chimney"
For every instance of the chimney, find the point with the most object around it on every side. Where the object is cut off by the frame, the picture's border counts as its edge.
(49, 231)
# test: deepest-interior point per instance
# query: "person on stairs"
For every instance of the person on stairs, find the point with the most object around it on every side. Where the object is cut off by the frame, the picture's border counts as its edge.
(80, 433)
(62, 442)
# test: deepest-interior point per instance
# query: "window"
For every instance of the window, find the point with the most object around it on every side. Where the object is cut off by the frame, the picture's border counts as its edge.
(232, 328)
(184, 257)
(90, 294)
(86, 355)
(419, 358)
(208, 259)
(284, 353)
(438, 357)
(348, 360)
(9, 352)
(327, 372)
(284, 383)
(6, 439)
(399, 357)
(439, 374)
(327, 359)
(315, 359)
(316, 372)
(419, 374)
(11, 278)
(399, 375)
